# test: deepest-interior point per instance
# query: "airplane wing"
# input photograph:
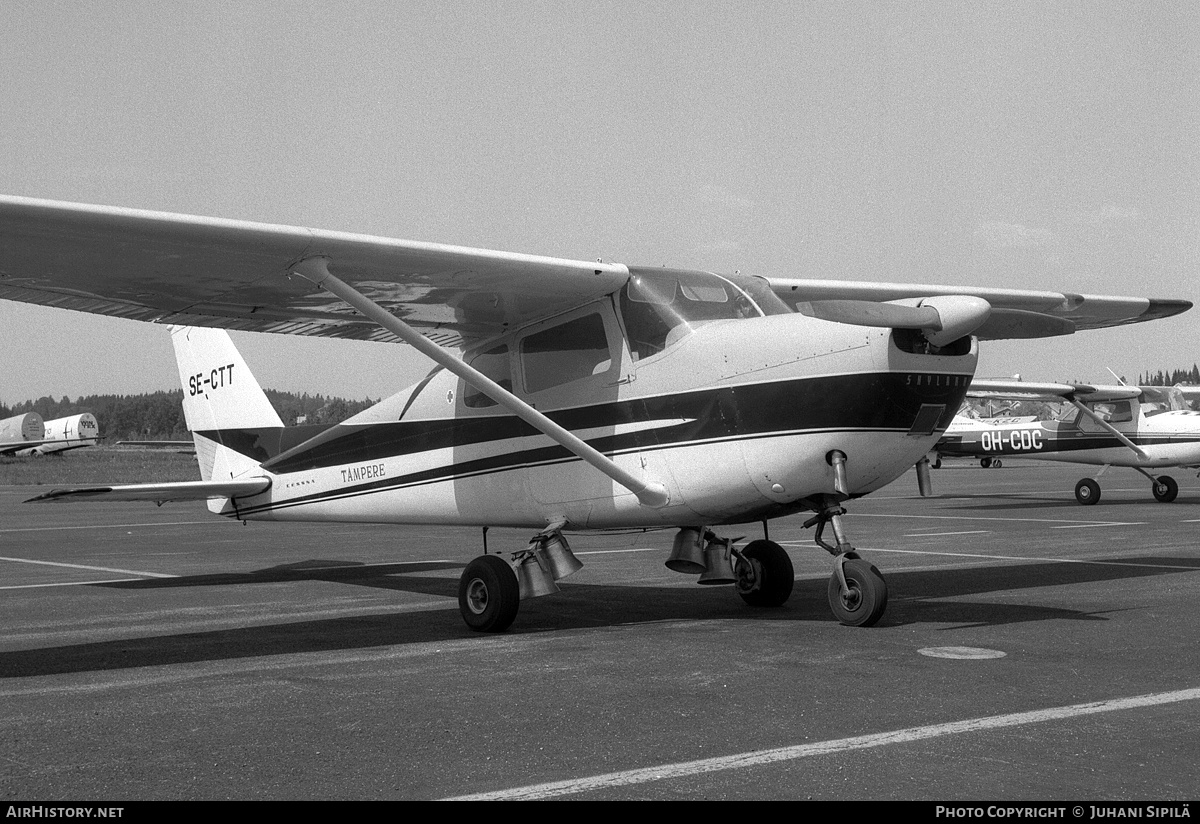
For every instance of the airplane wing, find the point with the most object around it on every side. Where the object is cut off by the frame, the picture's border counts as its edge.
(1015, 313)
(10, 447)
(1029, 390)
(199, 271)
(159, 493)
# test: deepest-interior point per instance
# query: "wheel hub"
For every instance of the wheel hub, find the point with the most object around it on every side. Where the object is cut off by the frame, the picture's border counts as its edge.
(477, 596)
(852, 597)
(749, 576)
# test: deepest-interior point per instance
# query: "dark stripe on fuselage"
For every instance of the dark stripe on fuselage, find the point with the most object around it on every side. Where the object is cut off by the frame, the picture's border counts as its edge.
(264, 443)
(881, 402)
(526, 459)
(889, 400)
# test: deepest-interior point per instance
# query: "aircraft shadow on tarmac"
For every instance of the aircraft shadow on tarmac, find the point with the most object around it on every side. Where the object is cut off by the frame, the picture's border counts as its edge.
(923, 597)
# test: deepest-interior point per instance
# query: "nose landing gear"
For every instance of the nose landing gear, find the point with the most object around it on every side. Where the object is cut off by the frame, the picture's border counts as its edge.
(857, 592)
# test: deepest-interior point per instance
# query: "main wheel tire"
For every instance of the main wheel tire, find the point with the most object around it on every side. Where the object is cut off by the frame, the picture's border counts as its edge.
(1087, 492)
(766, 576)
(489, 594)
(985, 462)
(863, 603)
(1165, 489)
(997, 463)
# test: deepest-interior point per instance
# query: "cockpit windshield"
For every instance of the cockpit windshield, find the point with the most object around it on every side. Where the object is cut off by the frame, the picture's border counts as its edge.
(660, 306)
(1159, 399)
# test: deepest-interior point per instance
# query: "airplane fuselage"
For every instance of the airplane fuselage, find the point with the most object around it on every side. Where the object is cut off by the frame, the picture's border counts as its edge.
(735, 416)
(1167, 439)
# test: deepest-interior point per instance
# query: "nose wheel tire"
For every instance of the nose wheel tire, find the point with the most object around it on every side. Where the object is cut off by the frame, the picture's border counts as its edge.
(488, 594)
(1087, 492)
(764, 574)
(1165, 489)
(862, 602)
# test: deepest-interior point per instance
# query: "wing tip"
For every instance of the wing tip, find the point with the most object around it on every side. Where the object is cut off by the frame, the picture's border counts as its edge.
(61, 494)
(1163, 308)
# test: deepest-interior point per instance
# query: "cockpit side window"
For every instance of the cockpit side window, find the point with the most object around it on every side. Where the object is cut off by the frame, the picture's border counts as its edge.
(1112, 411)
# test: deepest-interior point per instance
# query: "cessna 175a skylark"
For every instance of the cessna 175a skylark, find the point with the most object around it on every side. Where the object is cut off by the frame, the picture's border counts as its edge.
(585, 395)
(1142, 427)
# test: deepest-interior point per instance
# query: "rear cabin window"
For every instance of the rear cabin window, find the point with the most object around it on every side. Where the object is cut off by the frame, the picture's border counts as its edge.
(494, 364)
(564, 353)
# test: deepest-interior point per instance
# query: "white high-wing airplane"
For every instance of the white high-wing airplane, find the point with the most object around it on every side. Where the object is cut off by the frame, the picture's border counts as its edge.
(1142, 427)
(71, 432)
(586, 395)
(21, 432)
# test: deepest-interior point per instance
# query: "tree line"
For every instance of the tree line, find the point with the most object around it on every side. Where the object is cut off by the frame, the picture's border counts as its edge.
(159, 415)
(1171, 377)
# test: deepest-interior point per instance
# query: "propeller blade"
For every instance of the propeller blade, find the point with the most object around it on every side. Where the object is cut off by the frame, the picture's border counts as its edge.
(943, 318)
(870, 313)
(1010, 324)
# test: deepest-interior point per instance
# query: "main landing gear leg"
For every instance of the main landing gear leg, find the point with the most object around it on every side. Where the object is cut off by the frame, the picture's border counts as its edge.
(857, 592)
(1164, 488)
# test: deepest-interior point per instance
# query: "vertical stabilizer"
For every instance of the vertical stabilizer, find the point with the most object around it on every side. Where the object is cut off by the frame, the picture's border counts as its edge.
(222, 402)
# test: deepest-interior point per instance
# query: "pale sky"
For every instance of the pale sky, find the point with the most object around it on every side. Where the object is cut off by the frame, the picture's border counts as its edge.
(1046, 145)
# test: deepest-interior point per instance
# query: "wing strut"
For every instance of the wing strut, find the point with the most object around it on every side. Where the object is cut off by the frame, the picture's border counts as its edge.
(316, 269)
(1112, 430)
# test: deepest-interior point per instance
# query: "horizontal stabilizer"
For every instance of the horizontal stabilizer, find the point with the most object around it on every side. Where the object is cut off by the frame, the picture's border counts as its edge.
(158, 493)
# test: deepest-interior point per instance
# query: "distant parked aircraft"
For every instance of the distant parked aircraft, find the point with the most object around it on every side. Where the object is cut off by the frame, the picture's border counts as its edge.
(1141, 427)
(71, 432)
(21, 432)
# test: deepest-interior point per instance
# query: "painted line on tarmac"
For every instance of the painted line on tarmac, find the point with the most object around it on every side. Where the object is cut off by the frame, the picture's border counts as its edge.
(983, 557)
(1024, 558)
(92, 568)
(73, 583)
(118, 526)
(939, 534)
(986, 518)
(860, 742)
(1106, 523)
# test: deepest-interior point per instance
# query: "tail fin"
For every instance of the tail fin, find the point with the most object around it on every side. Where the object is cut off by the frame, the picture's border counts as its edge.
(223, 404)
